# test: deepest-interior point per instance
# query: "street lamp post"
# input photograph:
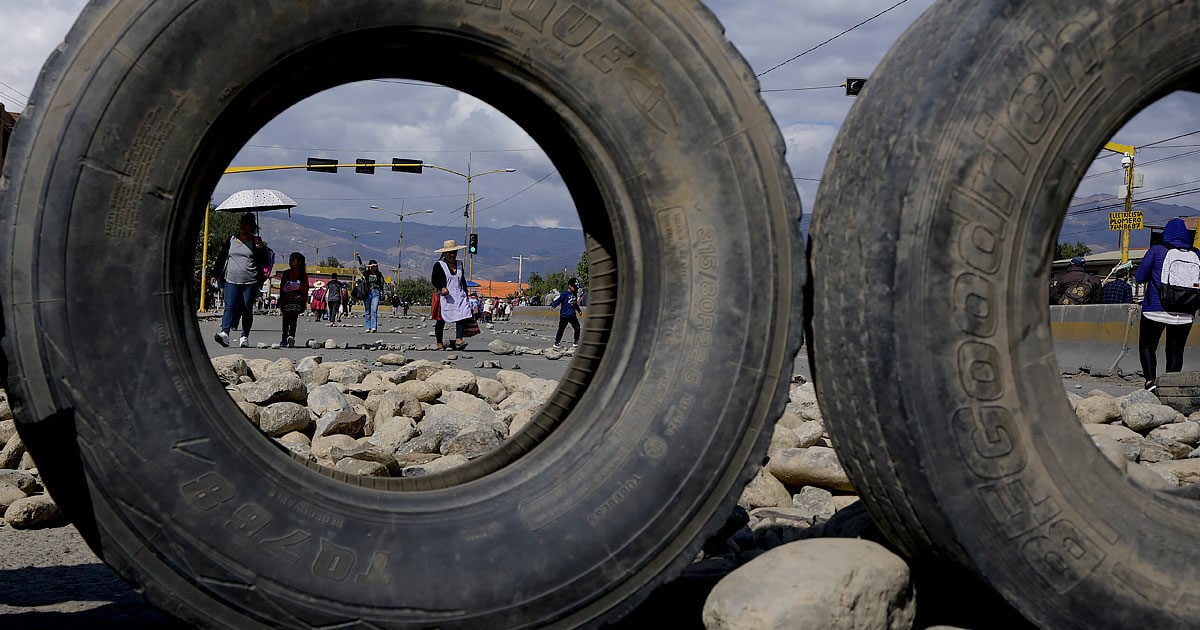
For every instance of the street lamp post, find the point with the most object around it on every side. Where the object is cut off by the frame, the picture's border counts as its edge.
(470, 202)
(400, 242)
(355, 235)
(316, 250)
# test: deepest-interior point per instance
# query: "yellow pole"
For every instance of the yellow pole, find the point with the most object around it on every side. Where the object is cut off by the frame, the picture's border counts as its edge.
(204, 263)
(1128, 208)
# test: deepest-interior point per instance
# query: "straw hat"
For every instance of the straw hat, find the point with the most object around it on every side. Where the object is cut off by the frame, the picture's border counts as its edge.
(450, 246)
(319, 284)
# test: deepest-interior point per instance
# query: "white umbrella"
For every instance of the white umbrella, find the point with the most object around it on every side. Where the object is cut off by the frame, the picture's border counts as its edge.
(257, 200)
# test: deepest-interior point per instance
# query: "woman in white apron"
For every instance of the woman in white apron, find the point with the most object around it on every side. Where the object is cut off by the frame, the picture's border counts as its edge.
(450, 283)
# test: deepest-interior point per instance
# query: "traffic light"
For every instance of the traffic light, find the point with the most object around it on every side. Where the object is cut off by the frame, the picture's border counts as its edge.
(322, 165)
(365, 166)
(854, 86)
(473, 244)
(403, 165)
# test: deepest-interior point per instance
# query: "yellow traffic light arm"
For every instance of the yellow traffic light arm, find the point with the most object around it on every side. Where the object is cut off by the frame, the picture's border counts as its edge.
(281, 167)
(1123, 149)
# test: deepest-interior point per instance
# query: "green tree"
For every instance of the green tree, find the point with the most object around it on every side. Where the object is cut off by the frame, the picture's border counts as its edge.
(416, 290)
(330, 261)
(1063, 251)
(537, 284)
(221, 226)
(581, 271)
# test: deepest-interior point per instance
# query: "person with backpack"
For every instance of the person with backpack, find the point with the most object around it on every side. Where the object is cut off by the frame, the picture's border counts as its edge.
(293, 293)
(1171, 270)
(245, 257)
(1076, 285)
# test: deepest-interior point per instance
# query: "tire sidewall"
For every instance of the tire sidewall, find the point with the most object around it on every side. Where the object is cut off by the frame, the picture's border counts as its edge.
(655, 445)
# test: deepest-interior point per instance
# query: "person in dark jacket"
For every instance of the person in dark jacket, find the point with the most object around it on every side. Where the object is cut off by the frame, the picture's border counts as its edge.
(1118, 290)
(1075, 285)
(1155, 319)
(569, 302)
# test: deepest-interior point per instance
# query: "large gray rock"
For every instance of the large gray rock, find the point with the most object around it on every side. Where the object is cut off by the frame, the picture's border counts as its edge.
(815, 501)
(519, 415)
(416, 371)
(809, 433)
(9, 494)
(499, 346)
(274, 388)
(441, 464)
(361, 468)
(23, 480)
(420, 445)
(7, 429)
(537, 388)
(231, 368)
(1185, 471)
(33, 512)
(512, 380)
(782, 437)
(493, 390)
(341, 423)
(393, 359)
(309, 362)
(1098, 410)
(1118, 432)
(833, 583)
(1142, 417)
(323, 446)
(326, 398)
(1139, 396)
(422, 391)
(10, 455)
(1182, 432)
(282, 365)
(454, 380)
(278, 419)
(391, 433)
(1151, 478)
(445, 422)
(471, 442)
(1112, 450)
(764, 491)
(470, 405)
(346, 374)
(398, 403)
(813, 466)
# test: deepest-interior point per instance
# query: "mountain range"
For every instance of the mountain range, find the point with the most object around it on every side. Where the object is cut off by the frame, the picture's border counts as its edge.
(1087, 221)
(545, 250)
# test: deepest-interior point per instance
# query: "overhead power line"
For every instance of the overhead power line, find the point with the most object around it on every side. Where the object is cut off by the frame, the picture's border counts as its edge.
(784, 63)
(1183, 135)
(518, 192)
(804, 89)
(1160, 160)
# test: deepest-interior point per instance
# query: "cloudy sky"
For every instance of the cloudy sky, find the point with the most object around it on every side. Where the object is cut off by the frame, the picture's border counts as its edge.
(446, 127)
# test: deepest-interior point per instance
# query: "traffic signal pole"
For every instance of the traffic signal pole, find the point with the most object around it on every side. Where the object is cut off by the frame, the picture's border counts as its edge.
(1127, 162)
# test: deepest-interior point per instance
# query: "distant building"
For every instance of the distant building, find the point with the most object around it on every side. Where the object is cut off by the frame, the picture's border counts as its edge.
(8, 120)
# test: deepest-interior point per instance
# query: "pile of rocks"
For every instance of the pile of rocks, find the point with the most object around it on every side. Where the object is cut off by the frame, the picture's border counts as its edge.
(413, 419)
(23, 502)
(1152, 443)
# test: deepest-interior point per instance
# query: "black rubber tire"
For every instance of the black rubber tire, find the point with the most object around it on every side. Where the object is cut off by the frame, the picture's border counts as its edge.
(932, 354)
(676, 168)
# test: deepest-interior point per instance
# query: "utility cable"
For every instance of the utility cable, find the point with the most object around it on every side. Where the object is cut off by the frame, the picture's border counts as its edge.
(784, 63)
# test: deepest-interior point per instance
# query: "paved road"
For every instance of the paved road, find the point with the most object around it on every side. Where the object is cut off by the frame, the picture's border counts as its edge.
(534, 329)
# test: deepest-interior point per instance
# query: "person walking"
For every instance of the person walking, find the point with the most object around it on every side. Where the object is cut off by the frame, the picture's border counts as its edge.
(318, 300)
(450, 296)
(1155, 318)
(568, 303)
(372, 292)
(293, 293)
(1118, 290)
(244, 255)
(333, 298)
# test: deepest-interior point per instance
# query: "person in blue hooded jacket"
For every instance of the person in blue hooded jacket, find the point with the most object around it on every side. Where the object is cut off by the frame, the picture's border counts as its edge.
(1155, 319)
